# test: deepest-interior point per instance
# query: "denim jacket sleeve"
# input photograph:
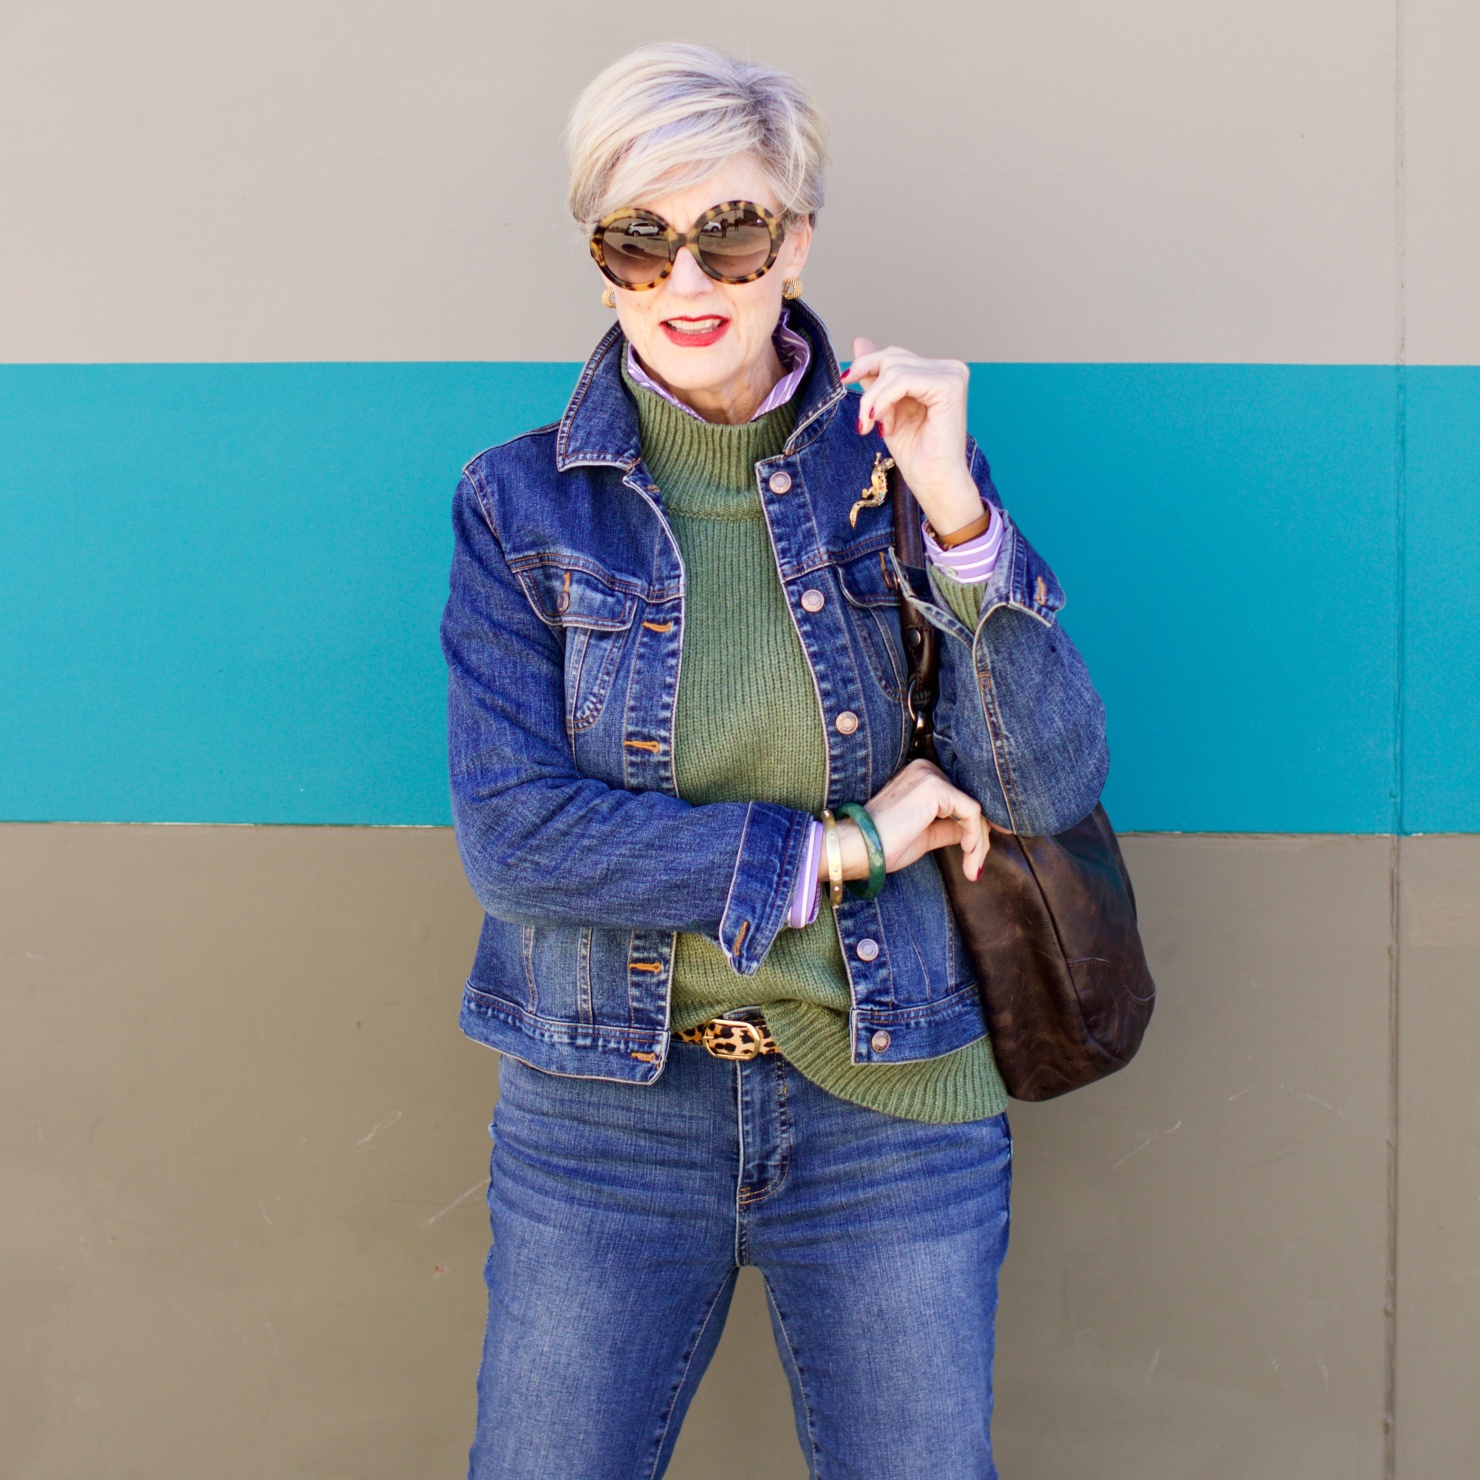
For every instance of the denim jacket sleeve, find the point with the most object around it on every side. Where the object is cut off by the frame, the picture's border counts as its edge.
(544, 844)
(1018, 723)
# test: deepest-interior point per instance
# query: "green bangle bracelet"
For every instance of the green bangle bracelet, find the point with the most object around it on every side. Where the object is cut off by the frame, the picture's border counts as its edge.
(874, 885)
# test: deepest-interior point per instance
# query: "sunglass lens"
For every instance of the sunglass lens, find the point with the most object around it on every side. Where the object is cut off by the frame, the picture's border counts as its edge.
(635, 250)
(735, 244)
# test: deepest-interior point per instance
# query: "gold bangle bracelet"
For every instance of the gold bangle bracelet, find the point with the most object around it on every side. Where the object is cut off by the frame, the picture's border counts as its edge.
(834, 850)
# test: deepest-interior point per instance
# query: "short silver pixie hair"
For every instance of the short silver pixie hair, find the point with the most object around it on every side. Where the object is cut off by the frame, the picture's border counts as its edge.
(669, 116)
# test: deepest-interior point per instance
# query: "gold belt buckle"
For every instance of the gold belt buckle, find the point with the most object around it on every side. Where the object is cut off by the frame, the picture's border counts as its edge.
(732, 1038)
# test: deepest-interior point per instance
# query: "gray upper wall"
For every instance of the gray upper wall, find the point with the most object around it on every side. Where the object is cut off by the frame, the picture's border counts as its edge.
(1072, 181)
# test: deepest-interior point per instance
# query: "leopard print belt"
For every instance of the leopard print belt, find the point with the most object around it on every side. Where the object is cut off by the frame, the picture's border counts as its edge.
(732, 1038)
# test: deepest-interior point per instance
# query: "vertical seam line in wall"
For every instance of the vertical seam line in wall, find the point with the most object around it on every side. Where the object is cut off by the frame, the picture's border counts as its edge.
(1395, 852)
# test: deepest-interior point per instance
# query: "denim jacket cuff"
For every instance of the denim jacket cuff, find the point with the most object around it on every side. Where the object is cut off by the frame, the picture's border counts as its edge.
(1021, 579)
(771, 850)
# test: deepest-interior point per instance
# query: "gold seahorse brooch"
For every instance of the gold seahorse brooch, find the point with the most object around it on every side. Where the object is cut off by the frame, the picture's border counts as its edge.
(877, 490)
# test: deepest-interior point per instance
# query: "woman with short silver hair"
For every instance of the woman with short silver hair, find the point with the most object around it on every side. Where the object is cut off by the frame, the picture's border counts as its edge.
(736, 1020)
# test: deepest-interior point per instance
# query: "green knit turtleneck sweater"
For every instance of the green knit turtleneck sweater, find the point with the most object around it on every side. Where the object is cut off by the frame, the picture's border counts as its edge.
(749, 728)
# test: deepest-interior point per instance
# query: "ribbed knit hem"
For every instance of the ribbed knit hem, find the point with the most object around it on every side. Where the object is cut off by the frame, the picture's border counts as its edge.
(949, 1090)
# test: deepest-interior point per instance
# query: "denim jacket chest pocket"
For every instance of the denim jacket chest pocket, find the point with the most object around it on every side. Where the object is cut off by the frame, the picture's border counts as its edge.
(870, 588)
(595, 614)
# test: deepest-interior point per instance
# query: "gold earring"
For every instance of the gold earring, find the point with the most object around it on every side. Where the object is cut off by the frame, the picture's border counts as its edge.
(791, 288)
(609, 297)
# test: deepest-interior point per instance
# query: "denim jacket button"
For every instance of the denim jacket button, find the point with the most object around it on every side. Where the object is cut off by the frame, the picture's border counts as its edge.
(879, 1042)
(846, 722)
(868, 949)
(562, 602)
(780, 483)
(813, 600)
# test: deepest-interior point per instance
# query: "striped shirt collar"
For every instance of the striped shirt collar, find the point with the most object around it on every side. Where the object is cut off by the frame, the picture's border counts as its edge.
(792, 350)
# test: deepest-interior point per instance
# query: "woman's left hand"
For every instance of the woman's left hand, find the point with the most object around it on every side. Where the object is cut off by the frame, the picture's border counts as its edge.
(919, 407)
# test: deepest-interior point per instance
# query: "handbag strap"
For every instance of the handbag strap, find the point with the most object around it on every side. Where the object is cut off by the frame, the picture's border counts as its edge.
(921, 641)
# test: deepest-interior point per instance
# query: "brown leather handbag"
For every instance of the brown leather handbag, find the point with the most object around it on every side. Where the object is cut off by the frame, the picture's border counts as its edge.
(1050, 924)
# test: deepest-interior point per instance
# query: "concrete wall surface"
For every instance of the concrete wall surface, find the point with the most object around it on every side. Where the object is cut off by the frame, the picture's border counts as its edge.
(274, 271)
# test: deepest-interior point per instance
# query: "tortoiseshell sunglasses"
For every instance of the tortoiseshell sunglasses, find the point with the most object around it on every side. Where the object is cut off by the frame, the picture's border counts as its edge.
(734, 242)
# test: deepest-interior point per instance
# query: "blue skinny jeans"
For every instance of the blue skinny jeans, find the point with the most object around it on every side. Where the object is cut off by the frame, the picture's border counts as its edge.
(621, 1214)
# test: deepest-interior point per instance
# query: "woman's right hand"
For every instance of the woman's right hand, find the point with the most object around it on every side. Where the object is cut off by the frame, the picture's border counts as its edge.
(917, 811)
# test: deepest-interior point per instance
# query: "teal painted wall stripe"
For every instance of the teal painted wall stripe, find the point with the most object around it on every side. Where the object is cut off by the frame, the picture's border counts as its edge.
(1225, 534)
(1441, 689)
(220, 584)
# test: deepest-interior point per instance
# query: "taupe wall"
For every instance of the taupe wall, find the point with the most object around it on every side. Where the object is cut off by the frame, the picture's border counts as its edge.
(1438, 1223)
(244, 1150)
(1218, 180)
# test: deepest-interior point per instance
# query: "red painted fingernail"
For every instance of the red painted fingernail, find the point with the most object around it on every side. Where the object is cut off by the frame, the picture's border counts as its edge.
(860, 426)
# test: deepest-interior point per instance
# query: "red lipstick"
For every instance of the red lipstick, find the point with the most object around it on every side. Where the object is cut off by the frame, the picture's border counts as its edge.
(696, 332)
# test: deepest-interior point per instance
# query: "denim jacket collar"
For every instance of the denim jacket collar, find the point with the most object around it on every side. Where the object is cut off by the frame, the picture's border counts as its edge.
(599, 427)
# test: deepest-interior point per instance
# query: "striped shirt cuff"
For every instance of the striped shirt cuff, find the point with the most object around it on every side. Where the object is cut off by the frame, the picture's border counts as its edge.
(805, 898)
(972, 562)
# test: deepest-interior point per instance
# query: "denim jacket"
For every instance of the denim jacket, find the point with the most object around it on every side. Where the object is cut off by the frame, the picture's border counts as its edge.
(563, 635)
